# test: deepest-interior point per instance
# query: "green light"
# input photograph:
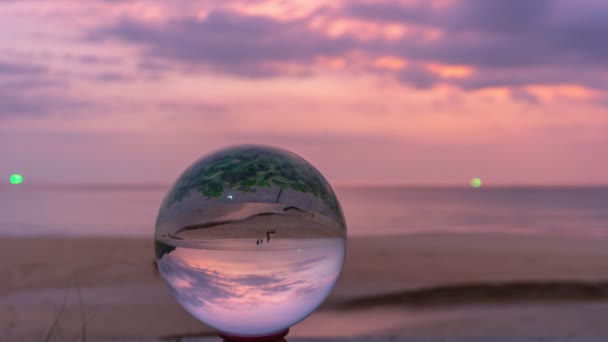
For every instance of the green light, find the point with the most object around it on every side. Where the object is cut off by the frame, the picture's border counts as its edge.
(476, 182)
(16, 179)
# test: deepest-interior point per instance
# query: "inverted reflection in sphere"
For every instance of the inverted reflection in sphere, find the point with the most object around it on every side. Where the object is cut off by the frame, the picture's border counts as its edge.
(250, 239)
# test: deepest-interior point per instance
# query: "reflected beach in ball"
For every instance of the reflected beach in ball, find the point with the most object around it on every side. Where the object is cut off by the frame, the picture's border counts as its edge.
(250, 240)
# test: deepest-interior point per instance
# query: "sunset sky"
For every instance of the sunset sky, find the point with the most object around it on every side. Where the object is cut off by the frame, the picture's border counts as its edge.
(411, 92)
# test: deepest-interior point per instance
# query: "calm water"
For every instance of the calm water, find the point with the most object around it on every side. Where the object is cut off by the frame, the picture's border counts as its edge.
(131, 210)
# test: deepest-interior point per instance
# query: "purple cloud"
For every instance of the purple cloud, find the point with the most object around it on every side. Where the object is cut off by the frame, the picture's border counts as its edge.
(23, 91)
(510, 43)
(388, 11)
(228, 41)
(14, 104)
(19, 69)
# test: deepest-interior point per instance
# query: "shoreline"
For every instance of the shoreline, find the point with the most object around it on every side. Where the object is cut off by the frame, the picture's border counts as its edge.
(483, 293)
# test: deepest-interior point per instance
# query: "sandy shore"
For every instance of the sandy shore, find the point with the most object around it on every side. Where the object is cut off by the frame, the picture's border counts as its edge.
(417, 285)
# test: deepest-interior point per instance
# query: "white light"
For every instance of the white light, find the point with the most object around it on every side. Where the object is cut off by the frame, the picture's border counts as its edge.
(229, 196)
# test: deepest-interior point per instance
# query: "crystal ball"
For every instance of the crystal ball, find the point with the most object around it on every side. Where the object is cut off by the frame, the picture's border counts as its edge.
(250, 240)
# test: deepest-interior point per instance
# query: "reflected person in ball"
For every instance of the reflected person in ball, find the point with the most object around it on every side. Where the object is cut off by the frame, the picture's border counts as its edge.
(250, 240)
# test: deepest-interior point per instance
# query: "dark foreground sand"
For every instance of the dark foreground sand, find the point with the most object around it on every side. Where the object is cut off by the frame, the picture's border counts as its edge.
(417, 285)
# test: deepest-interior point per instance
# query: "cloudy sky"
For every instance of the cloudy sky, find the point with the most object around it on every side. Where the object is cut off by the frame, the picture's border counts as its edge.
(414, 92)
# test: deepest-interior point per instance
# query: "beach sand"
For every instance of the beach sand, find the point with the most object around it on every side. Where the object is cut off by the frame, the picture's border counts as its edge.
(465, 284)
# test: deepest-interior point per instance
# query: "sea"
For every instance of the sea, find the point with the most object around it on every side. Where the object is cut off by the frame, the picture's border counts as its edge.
(130, 210)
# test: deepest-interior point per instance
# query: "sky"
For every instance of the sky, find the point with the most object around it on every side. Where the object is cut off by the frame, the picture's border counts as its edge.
(370, 92)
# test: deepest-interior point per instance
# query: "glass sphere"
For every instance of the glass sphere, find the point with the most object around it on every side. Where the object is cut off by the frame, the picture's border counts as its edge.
(250, 240)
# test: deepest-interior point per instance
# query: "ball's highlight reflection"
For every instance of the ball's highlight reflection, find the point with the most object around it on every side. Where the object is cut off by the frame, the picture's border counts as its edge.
(250, 240)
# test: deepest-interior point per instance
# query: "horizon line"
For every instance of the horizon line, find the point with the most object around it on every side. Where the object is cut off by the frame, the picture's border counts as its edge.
(335, 185)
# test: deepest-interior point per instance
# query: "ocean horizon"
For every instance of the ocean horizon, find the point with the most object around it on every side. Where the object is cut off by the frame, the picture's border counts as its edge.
(129, 209)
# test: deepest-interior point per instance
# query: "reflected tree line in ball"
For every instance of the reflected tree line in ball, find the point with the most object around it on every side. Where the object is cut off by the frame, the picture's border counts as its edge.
(245, 170)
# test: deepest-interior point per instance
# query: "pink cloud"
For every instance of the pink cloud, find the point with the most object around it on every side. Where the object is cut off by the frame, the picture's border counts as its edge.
(102, 89)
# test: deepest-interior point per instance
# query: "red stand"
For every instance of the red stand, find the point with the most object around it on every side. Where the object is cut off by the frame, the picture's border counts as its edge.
(278, 337)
